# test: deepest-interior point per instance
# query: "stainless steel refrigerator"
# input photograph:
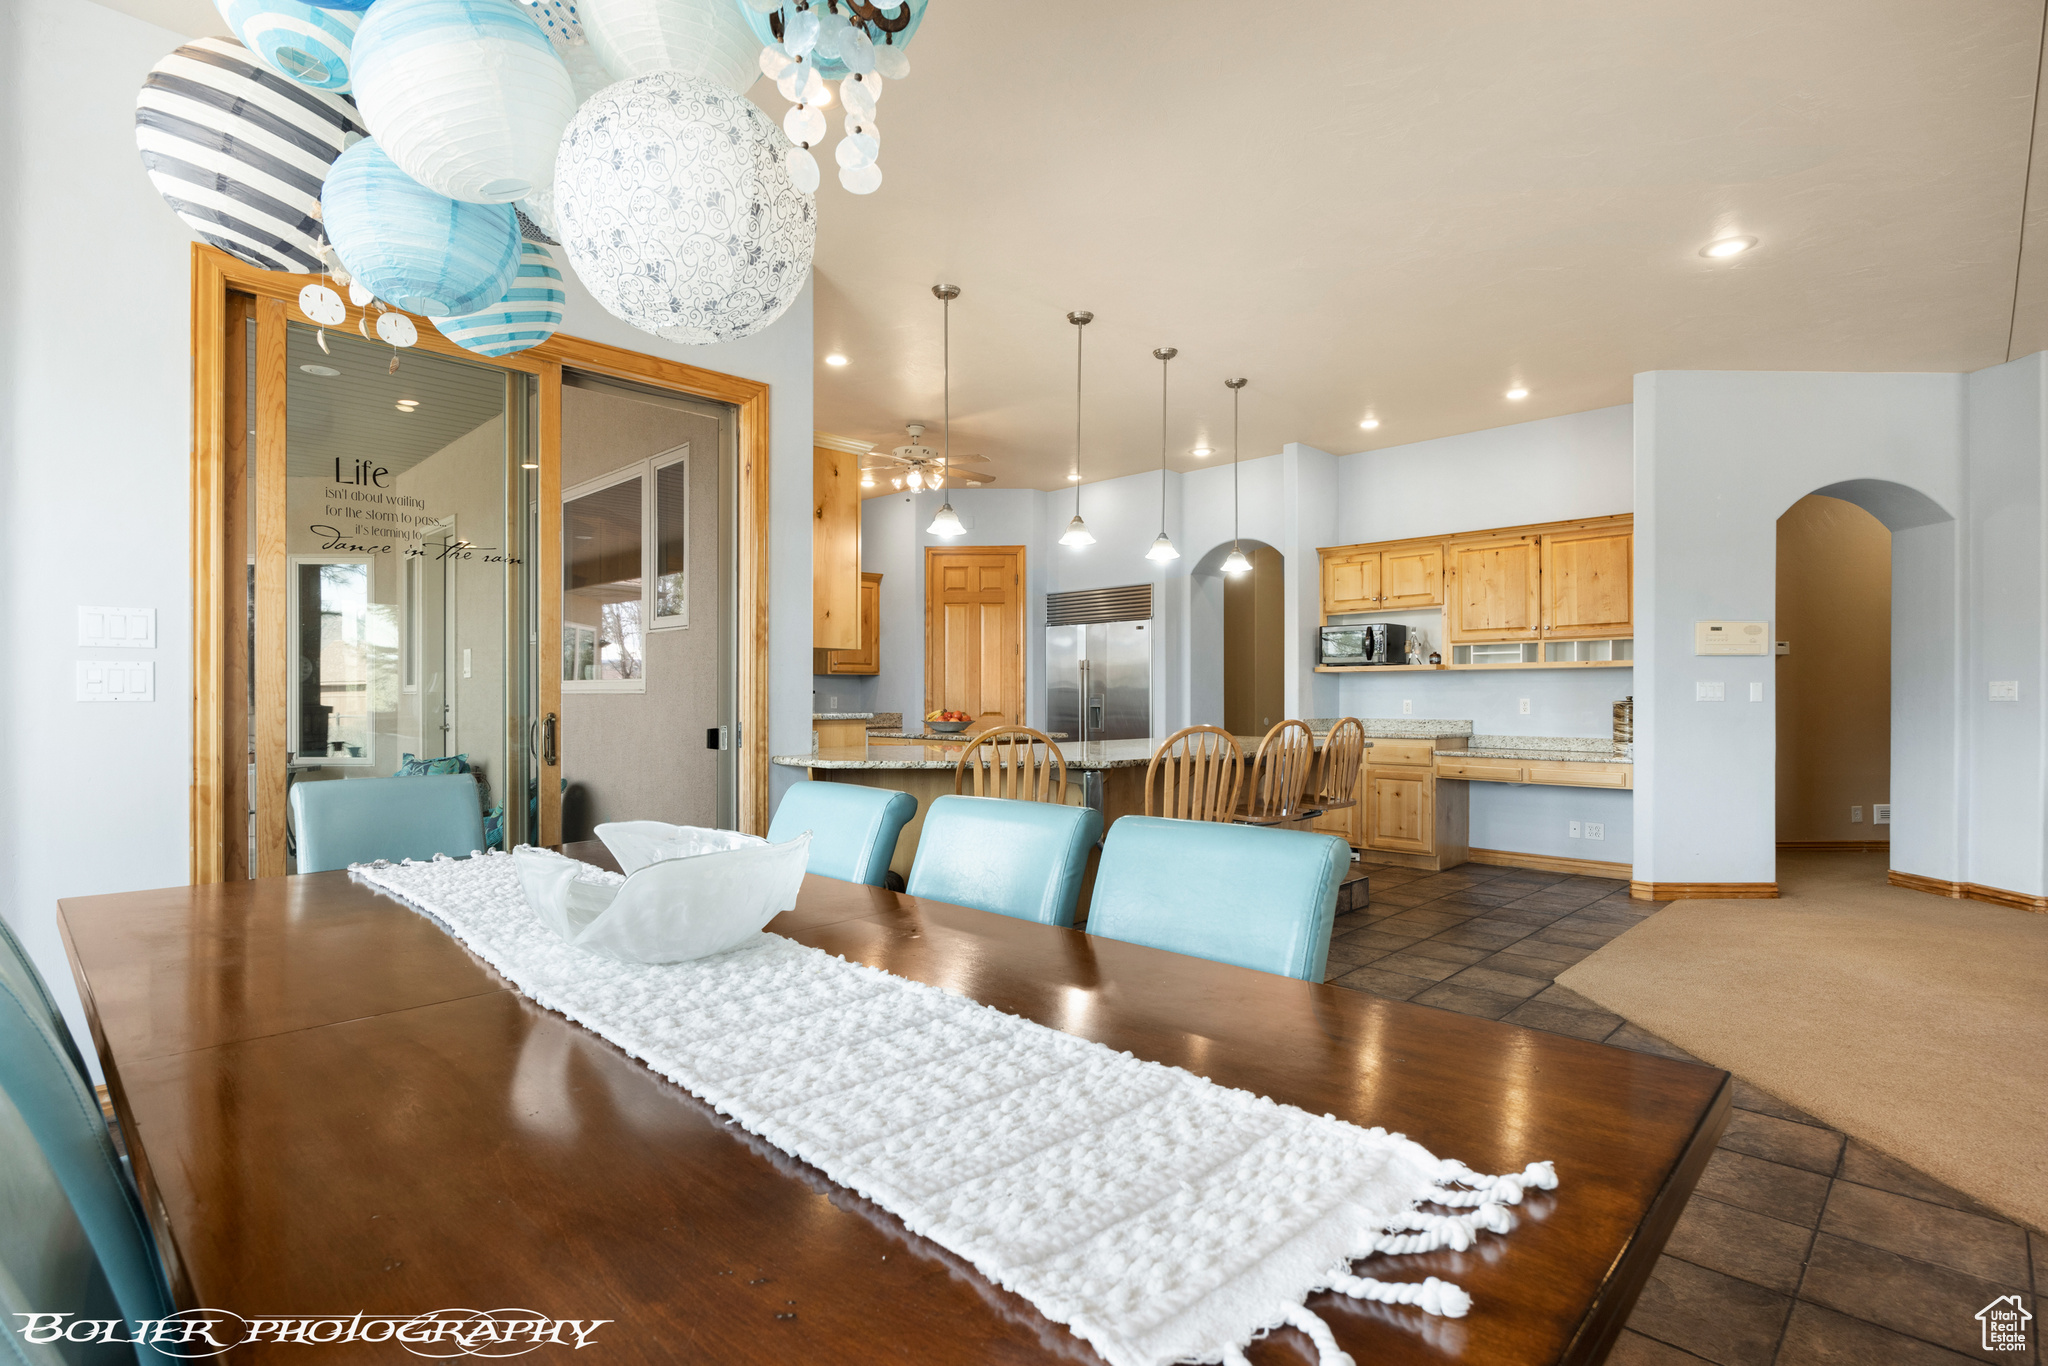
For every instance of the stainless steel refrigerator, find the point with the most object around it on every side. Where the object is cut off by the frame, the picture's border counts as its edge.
(1098, 663)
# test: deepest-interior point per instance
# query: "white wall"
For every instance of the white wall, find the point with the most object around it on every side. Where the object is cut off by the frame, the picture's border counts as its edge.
(95, 436)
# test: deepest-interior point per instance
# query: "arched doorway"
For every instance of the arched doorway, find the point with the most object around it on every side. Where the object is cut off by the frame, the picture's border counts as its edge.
(1236, 639)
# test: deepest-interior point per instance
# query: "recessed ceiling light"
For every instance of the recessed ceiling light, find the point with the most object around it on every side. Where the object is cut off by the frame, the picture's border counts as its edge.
(1518, 393)
(1201, 451)
(1728, 246)
(529, 465)
(324, 371)
(1073, 478)
(835, 359)
(1370, 423)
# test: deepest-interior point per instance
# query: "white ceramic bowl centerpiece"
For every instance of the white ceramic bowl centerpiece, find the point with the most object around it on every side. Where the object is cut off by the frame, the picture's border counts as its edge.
(689, 892)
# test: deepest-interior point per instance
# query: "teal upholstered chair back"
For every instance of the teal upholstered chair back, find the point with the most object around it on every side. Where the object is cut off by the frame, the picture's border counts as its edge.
(853, 829)
(1014, 858)
(1257, 897)
(60, 1178)
(358, 820)
(12, 951)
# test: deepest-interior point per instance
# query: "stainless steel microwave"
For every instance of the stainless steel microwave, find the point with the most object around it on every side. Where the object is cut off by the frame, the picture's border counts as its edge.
(1379, 642)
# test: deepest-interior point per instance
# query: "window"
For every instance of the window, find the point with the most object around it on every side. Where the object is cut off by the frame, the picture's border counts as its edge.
(346, 650)
(625, 570)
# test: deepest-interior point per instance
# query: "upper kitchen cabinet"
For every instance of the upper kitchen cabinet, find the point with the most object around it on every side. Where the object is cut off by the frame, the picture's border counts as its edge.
(1351, 580)
(1496, 589)
(1412, 576)
(868, 658)
(1588, 582)
(835, 541)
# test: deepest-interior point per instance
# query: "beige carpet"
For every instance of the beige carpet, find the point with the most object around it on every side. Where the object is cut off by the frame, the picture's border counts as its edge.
(1914, 1023)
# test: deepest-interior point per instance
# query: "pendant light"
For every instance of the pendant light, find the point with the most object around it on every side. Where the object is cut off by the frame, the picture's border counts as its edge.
(1162, 549)
(947, 521)
(1077, 530)
(1235, 562)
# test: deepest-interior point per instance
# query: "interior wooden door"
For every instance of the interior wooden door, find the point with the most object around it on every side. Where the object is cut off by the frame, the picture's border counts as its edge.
(1398, 814)
(1588, 584)
(974, 631)
(1495, 590)
(1351, 582)
(1413, 577)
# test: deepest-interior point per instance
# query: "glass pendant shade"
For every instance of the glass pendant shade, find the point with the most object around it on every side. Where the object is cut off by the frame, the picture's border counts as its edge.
(1236, 563)
(946, 523)
(1162, 549)
(1078, 533)
(915, 479)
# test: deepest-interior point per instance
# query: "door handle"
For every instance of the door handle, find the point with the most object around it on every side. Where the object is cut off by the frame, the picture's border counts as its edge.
(550, 755)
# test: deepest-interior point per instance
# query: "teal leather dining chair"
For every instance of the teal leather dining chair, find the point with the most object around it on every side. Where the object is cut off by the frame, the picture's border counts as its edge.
(360, 820)
(1244, 894)
(853, 829)
(55, 1151)
(1023, 859)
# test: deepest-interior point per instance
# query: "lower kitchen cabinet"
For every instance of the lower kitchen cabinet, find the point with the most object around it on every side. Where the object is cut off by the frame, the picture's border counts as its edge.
(1404, 816)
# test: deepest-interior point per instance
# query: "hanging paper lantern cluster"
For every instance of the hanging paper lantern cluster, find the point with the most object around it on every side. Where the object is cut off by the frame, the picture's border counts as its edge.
(677, 211)
(426, 154)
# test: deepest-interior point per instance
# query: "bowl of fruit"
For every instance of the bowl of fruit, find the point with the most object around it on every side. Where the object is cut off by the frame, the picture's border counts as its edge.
(947, 722)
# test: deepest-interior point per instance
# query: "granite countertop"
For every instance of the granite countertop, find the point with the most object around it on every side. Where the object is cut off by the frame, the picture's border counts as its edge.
(1548, 749)
(886, 720)
(1396, 727)
(938, 737)
(842, 716)
(1082, 755)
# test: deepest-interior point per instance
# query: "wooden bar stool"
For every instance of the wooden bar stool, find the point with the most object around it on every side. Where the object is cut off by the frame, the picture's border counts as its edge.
(1007, 762)
(1336, 786)
(1280, 777)
(1195, 775)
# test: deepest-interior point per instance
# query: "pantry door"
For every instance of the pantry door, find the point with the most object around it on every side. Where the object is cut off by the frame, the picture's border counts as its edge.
(974, 631)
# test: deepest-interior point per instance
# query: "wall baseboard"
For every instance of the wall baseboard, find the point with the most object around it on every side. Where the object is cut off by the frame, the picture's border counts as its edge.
(1703, 891)
(1968, 891)
(1840, 846)
(1545, 863)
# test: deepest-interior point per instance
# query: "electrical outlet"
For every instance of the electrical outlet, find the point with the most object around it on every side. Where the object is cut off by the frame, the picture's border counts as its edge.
(1407, 707)
(1881, 814)
(1855, 815)
(1595, 830)
(1524, 708)
(1709, 692)
(1756, 692)
(1574, 829)
(2005, 690)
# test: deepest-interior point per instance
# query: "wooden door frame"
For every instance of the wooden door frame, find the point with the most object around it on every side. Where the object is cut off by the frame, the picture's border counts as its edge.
(1023, 618)
(219, 536)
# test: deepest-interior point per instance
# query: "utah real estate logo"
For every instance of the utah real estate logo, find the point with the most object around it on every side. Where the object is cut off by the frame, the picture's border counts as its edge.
(2005, 1322)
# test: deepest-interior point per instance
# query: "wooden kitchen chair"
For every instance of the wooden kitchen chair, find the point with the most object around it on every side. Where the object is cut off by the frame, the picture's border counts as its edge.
(1280, 776)
(1195, 775)
(1006, 762)
(1336, 785)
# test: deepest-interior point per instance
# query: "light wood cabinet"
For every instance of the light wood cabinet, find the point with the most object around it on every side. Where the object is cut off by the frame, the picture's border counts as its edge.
(1496, 590)
(835, 546)
(1589, 583)
(1404, 815)
(1398, 810)
(868, 658)
(1412, 576)
(1351, 582)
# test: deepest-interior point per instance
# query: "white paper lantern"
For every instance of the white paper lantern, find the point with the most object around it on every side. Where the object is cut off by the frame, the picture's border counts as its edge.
(240, 153)
(676, 209)
(527, 316)
(706, 39)
(467, 96)
(307, 44)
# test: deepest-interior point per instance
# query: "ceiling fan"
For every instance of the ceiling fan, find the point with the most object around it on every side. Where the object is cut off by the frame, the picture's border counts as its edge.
(918, 466)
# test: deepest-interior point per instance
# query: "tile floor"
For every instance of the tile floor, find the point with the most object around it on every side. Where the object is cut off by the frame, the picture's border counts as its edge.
(1800, 1246)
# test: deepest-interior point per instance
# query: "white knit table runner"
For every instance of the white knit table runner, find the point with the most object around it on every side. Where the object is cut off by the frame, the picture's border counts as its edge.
(1159, 1216)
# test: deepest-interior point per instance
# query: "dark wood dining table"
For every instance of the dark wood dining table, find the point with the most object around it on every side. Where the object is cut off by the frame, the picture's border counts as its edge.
(332, 1107)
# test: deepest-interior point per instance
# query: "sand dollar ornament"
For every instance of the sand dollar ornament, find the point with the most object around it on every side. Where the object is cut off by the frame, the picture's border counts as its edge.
(323, 306)
(675, 205)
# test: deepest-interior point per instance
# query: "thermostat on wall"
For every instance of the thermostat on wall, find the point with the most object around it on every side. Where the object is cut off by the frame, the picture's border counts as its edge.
(1731, 637)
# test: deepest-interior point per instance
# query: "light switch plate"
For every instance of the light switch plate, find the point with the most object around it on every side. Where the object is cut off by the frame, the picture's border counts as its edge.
(117, 680)
(1709, 692)
(1756, 692)
(1574, 826)
(117, 628)
(1731, 637)
(2005, 690)
(1881, 814)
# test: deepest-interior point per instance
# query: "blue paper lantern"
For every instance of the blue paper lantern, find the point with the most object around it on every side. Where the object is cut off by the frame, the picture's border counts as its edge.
(527, 316)
(308, 44)
(828, 68)
(412, 248)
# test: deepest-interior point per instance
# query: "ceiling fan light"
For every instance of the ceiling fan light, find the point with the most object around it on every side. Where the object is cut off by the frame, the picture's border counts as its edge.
(1236, 563)
(946, 523)
(1078, 533)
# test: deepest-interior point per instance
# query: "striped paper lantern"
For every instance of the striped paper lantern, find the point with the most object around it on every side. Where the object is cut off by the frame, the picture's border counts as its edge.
(412, 248)
(308, 44)
(467, 96)
(527, 316)
(240, 153)
(705, 39)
